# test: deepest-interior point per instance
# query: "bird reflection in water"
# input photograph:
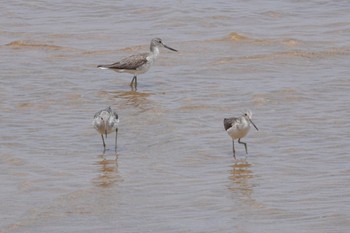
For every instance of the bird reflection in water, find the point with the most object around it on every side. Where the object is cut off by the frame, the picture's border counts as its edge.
(240, 175)
(128, 98)
(133, 98)
(108, 171)
(242, 182)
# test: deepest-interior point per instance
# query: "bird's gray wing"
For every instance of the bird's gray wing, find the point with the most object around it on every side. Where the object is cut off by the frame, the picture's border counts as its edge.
(128, 63)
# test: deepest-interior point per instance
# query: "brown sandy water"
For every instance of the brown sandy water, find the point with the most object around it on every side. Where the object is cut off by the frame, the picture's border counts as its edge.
(174, 172)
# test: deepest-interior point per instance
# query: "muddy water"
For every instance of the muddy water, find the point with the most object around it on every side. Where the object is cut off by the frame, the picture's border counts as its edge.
(173, 171)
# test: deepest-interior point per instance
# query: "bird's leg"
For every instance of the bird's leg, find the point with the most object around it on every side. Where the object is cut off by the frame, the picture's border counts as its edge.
(233, 149)
(116, 134)
(245, 145)
(134, 80)
(103, 141)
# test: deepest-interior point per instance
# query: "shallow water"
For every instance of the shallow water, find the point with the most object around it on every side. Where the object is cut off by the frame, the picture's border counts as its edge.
(174, 171)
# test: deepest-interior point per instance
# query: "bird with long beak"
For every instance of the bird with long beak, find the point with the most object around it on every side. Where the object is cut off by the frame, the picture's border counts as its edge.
(238, 127)
(139, 63)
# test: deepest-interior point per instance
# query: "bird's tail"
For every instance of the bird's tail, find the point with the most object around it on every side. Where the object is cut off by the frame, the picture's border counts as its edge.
(103, 67)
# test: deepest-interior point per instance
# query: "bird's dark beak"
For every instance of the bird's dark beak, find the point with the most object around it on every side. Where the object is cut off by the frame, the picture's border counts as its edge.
(165, 46)
(253, 124)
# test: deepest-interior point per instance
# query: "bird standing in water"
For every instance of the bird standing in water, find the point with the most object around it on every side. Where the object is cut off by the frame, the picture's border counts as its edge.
(106, 121)
(139, 63)
(238, 127)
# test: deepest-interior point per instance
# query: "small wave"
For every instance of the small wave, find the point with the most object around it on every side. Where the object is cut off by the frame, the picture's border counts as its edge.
(30, 44)
(237, 37)
(233, 36)
(274, 14)
(135, 48)
(193, 107)
(285, 95)
(127, 51)
(318, 54)
(323, 54)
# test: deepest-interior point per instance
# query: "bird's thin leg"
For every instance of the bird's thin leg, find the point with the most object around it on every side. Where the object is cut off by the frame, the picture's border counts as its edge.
(103, 141)
(245, 145)
(134, 80)
(233, 149)
(116, 135)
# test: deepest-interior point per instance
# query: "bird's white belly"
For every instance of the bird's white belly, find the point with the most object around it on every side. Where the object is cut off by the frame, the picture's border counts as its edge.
(236, 132)
(144, 68)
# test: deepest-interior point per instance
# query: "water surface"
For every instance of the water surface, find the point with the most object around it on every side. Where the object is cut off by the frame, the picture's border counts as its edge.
(173, 170)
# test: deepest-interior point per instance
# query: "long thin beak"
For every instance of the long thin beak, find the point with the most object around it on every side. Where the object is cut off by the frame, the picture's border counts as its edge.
(253, 124)
(169, 48)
